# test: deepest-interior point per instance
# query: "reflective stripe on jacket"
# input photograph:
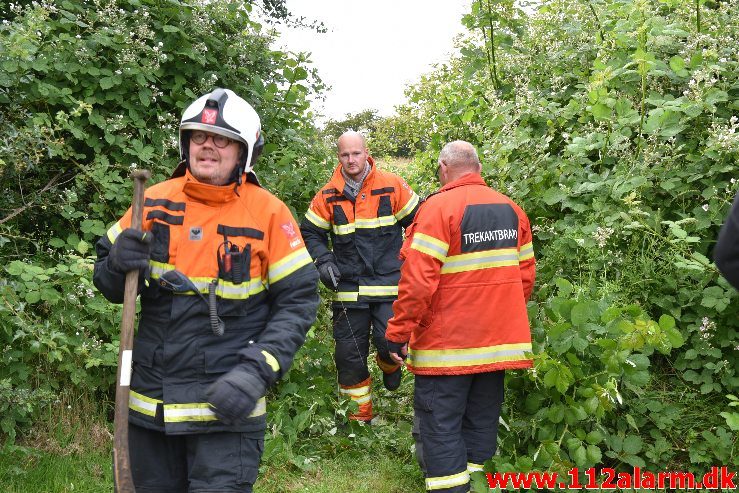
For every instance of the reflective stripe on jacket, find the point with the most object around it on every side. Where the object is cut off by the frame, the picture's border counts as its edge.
(266, 296)
(468, 271)
(366, 233)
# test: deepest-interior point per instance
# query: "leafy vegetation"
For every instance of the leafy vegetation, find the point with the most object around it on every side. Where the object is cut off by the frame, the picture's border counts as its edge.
(89, 90)
(612, 122)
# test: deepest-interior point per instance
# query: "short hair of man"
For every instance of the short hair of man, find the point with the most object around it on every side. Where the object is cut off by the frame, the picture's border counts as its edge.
(460, 154)
(352, 133)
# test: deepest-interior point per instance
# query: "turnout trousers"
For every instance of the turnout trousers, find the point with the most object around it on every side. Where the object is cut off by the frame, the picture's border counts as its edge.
(199, 463)
(456, 418)
(352, 330)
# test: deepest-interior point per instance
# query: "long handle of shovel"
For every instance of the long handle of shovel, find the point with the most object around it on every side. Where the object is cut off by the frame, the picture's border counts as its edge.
(121, 459)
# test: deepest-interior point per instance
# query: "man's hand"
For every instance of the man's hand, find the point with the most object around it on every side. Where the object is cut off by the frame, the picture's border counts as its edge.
(329, 274)
(234, 396)
(130, 251)
(398, 351)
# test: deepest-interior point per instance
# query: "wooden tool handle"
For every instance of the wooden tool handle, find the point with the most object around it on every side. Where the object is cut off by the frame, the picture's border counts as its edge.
(121, 460)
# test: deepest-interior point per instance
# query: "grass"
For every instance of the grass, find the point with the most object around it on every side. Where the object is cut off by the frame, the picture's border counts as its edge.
(32, 470)
(394, 164)
(356, 473)
(69, 451)
(25, 469)
(29, 470)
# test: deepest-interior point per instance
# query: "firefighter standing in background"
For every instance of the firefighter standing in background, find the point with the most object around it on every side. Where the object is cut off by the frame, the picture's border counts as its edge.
(461, 316)
(363, 210)
(726, 252)
(231, 295)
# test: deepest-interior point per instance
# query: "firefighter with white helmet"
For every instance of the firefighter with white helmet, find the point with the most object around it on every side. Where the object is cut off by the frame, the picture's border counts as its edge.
(230, 294)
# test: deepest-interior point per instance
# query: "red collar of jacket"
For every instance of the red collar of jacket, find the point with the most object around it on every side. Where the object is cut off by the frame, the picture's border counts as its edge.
(338, 182)
(210, 194)
(468, 179)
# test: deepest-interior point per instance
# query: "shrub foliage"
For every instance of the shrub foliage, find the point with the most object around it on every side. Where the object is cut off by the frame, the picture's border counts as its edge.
(612, 122)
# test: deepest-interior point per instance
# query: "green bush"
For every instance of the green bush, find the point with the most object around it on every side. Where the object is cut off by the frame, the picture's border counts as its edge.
(89, 90)
(614, 124)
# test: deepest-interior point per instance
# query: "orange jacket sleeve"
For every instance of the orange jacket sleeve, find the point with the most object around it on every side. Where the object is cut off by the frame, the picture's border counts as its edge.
(425, 250)
(406, 203)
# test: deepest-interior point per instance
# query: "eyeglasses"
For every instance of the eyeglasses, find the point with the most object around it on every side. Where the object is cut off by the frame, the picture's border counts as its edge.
(220, 141)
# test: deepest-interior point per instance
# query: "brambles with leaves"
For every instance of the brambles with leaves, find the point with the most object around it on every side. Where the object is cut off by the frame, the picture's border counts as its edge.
(88, 91)
(614, 124)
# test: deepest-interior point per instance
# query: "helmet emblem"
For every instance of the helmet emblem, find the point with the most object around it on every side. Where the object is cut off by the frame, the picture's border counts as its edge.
(209, 116)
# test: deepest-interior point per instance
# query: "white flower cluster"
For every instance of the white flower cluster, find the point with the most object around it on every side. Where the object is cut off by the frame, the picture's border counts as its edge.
(724, 137)
(601, 236)
(84, 291)
(707, 328)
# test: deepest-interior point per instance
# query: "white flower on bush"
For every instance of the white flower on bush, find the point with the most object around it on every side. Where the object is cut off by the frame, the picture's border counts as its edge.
(601, 236)
(707, 328)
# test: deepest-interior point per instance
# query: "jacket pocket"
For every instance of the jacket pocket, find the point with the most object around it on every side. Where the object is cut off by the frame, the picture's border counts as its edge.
(145, 353)
(388, 240)
(344, 247)
(219, 361)
(160, 242)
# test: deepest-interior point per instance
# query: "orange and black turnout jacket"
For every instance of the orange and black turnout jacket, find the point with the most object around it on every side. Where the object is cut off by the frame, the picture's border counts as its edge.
(366, 234)
(267, 297)
(468, 272)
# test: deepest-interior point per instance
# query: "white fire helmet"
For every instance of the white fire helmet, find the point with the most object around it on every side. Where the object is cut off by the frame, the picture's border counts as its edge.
(225, 113)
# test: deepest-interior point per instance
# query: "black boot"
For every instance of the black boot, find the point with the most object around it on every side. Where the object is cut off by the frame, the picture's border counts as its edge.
(392, 380)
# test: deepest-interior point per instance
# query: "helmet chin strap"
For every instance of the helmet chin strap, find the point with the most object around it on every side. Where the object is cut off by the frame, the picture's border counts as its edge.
(240, 167)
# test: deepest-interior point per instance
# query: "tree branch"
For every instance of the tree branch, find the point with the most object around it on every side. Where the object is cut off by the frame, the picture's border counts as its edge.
(19, 210)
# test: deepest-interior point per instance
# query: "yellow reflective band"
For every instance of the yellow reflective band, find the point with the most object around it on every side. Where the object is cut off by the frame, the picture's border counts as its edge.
(316, 219)
(526, 252)
(472, 467)
(409, 206)
(378, 290)
(114, 231)
(430, 246)
(357, 392)
(444, 358)
(362, 400)
(346, 296)
(504, 257)
(440, 482)
(201, 411)
(225, 289)
(364, 223)
(271, 361)
(375, 222)
(179, 413)
(229, 290)
(289, 264)
(141, 403)
(343, 229)
(157, 269)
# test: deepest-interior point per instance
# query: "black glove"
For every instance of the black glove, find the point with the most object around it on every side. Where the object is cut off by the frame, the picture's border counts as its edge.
(329, 274)
(396, 347)
(234, 395)
(130, 251)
